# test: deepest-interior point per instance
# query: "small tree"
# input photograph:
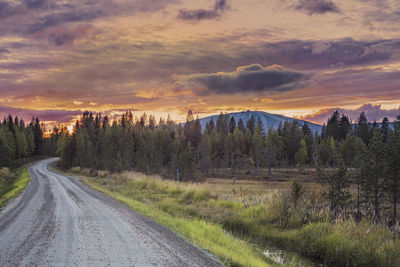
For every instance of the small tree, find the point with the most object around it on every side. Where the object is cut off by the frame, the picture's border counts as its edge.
(373, 172)
(336, 177)
(301, 156)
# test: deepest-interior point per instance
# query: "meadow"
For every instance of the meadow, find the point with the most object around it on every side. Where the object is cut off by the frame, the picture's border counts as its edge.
(259, 216)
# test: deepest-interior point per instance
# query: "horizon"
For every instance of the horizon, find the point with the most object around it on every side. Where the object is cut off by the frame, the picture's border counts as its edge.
(137, 117)
(297, 58)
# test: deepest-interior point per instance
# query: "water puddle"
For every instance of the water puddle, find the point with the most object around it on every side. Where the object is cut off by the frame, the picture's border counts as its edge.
(288, 259)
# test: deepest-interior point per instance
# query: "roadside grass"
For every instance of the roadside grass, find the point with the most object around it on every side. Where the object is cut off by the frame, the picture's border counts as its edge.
(12, 183)
(237, 222)
(209, 236)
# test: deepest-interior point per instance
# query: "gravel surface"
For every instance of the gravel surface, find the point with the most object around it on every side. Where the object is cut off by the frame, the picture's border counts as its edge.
(58, 221)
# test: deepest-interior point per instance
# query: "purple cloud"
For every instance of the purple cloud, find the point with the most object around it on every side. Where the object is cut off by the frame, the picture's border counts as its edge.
(59, 116)
(251, 78)
(317, 6)
(373, 113)
(204, 14)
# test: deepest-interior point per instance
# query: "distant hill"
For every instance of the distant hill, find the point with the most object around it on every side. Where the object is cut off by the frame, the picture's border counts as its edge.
(391, 125)
(268, 120)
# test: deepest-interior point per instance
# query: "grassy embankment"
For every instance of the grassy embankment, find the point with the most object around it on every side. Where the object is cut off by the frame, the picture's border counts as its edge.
(255, 212)
(12, 183)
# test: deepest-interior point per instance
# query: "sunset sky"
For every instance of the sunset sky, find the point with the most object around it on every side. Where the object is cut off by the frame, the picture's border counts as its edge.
(300, 58)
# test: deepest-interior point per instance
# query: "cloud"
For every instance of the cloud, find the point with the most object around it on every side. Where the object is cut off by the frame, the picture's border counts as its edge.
(56, 19)
(204, 14)
(43, 4)
(59, 116)
(29, 17)
(250, 78)
(330, 54)
(13, 8)
(373, 113)
(66, 35)
(317, 7)
(6, 10)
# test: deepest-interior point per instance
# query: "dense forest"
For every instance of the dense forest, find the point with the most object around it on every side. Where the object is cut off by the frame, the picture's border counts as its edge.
(363, 155)
(19, 141)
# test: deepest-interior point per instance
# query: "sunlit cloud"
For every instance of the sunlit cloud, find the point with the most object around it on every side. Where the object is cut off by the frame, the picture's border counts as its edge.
(164, 57)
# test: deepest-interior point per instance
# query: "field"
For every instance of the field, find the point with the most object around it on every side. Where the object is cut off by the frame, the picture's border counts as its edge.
(243, 222)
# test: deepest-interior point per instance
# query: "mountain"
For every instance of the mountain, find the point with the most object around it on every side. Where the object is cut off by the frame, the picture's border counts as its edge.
(268, 120)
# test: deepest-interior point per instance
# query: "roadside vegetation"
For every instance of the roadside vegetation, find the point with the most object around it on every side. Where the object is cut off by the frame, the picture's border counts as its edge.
(293, 217)
(205, 233)
(12, 183)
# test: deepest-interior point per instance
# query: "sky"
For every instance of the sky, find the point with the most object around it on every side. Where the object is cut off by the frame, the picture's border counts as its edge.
(299, 58)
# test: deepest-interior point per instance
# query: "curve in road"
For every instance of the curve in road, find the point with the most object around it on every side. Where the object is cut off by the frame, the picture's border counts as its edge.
(58, 221)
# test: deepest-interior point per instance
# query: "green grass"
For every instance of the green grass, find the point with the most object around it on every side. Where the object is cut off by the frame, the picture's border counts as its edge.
(12, 184)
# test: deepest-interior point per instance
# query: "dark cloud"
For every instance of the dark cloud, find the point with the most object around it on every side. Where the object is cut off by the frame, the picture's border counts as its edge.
(62, 35)
(57, 19)
(329, 54)
(317, 6)
(220, 5)
(7, 10)
(10, 8)
(43, 4)
(373, 113)
(63, 39)
(251, 78)
(204, 14)
(28, 17)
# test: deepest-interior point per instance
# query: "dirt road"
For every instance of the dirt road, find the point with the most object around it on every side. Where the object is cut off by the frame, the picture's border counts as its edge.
(58, 221)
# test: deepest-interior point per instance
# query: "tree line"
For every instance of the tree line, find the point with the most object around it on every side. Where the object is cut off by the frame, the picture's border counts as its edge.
(19, 141)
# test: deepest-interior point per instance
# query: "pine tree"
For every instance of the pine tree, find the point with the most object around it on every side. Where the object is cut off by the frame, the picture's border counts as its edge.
(37, 135)
(21, 144)
(332, 127)
(271, 147)
(373, 172)
(392, 174)
(363, 128)
(385, 129)
(241, 126)
(6, 156)
(338, 192)
(205, 154)
(232, 125)
(344, 127)
(251, 124)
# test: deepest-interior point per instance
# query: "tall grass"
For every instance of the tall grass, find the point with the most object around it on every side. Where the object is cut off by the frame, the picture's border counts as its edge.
(296, 220)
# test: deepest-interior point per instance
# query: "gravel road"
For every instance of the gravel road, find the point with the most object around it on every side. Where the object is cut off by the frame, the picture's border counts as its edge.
(58, 221)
